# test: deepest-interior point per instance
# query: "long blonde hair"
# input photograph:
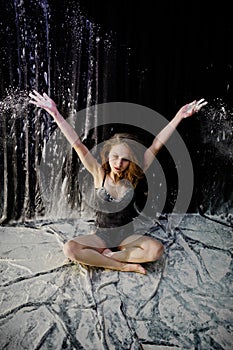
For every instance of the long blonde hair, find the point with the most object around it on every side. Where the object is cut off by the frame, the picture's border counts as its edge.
(134, 171)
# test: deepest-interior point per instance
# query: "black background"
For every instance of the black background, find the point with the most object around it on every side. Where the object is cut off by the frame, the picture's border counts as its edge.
(184, 47)
(184, 51)
(179, 51)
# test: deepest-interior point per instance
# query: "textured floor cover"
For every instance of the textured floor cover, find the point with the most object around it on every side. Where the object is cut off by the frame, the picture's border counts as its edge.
(184, 302)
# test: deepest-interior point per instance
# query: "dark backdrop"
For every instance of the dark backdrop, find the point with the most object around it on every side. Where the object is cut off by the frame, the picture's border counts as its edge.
(183, 47)
(166, 53)
(183, 51)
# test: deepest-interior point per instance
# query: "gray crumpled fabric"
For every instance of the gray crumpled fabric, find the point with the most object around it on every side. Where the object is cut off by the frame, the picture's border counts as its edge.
(184, 302)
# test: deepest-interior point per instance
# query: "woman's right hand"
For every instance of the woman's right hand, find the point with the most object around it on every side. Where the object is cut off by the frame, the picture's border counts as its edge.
(43, 101)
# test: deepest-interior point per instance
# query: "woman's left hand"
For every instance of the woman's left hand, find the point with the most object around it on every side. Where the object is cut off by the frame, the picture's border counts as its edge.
(191, 108)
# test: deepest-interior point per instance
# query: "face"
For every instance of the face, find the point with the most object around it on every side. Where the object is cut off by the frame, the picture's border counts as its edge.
(119, 158)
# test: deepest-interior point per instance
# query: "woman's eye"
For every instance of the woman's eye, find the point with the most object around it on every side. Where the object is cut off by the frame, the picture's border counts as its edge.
(113, 157)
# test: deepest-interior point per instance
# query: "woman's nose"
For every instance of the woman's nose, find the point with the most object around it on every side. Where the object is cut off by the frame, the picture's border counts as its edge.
(119, 162)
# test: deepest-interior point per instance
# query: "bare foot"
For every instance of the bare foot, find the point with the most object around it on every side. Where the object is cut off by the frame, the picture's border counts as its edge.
(127, 267)
(134, 268)
(107, 252)
(113, 255)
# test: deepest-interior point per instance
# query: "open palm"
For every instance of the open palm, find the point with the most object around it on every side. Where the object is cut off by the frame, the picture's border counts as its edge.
(191, 108)
(43, 101)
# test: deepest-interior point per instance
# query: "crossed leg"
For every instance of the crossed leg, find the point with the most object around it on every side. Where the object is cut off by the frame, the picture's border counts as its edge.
(91, 250)
(137, 248)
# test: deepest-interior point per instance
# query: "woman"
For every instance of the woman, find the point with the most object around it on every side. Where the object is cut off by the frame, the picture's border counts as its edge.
(115, 182)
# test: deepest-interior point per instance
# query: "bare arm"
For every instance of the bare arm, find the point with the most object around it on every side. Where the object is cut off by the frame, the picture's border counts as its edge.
(45, 102)
(184, 112)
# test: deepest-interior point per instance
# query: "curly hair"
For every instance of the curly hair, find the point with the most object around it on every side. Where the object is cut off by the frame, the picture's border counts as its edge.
(134, 171)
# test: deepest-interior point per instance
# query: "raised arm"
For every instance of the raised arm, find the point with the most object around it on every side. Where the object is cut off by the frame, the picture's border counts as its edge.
(45, 102)
(186, 111)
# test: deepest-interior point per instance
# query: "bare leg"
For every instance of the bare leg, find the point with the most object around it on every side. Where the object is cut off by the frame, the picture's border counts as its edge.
(137, 248)
(88, 250)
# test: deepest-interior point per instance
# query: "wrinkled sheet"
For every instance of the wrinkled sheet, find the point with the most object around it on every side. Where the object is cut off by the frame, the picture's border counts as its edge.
(184, 302)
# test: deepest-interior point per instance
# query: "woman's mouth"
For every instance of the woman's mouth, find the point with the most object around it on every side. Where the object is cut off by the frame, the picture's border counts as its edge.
(117, 169)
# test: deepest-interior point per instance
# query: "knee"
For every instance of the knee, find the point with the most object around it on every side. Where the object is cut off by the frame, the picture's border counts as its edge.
(155, 251)
(70, 249)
